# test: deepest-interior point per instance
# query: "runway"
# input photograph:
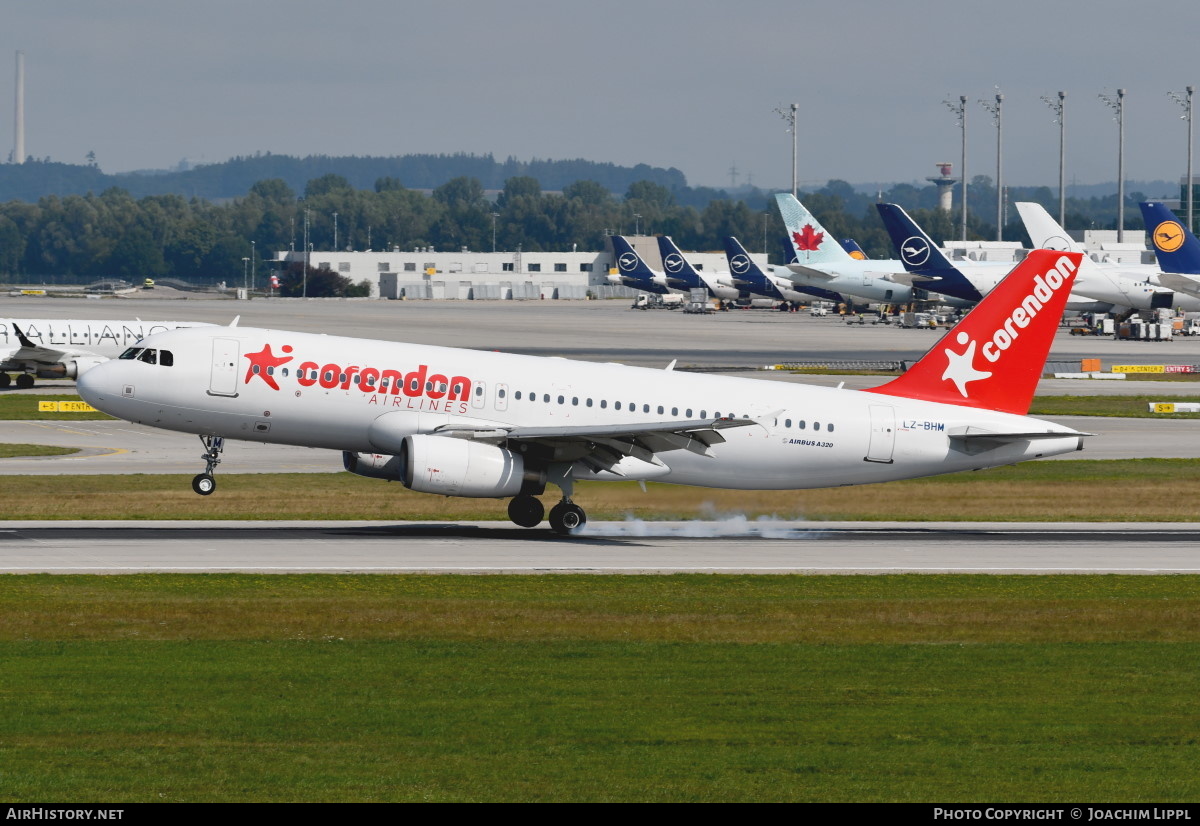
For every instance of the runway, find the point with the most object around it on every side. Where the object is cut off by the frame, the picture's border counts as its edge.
(729, 547)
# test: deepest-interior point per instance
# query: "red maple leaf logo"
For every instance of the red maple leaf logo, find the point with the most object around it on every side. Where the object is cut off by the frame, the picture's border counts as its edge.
(808, 240)
(263, 364)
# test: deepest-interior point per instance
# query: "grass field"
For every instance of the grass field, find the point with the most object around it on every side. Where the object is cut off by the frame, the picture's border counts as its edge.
(1152, 490)
(577, 688)
(10, 450)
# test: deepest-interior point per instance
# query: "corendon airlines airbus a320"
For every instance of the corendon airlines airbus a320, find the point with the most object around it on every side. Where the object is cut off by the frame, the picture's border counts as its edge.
(486, 424)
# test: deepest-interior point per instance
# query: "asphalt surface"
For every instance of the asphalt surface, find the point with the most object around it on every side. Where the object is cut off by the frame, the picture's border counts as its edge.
(730, 546)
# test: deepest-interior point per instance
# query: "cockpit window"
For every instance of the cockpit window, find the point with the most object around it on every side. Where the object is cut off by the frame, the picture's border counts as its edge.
(149, 355)
(166, 358)
(131, 353)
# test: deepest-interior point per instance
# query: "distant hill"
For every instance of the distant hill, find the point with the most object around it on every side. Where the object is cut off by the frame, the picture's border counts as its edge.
(233, 178)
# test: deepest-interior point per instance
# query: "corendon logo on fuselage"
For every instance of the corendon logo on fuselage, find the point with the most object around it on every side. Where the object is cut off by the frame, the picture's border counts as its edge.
(960, 367)
(417, 389)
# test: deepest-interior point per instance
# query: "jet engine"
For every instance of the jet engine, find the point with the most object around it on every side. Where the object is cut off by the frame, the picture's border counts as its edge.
(72, 369)
(459, 467)
(450, 467)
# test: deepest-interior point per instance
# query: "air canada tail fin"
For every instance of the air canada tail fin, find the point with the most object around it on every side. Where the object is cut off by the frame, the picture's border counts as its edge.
(810, 242)
(1177, 249)
(993, 358)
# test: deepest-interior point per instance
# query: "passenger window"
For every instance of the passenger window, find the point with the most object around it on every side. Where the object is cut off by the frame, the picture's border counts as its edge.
(645, 408)
(500, 392)
(617, 405)
(800, 424)
(589, 402)
(517, 395)
(546, 398)
(688, 413)
(660, 410)
(829, 427)
(604, 403)
(787, 422)
(561, 400)
(703, 414)
(816, 425)
(674, 411)
(575, 401)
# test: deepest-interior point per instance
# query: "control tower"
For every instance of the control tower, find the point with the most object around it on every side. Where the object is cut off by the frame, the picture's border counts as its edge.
(945, 184)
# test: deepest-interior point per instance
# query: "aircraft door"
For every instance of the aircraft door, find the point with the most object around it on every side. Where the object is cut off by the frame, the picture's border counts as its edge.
(223, 378)
(883, 434)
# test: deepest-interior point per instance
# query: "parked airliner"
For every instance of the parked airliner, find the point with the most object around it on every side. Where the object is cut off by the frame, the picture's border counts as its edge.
(1175, 247)
(1125, 285)
(487, 424)
(823, 263)
(966, 279)
(51, 348)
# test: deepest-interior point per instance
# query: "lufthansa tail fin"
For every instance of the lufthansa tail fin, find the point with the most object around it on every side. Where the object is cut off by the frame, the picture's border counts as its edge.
(851, 246)
(1176, 247)
(921, 256)
(742, 267)
(994, 357)
(680, 274)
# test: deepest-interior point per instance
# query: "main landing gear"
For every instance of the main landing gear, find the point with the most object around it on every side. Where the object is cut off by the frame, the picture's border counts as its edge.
(527, 511)
(204, 483)
(566, 517)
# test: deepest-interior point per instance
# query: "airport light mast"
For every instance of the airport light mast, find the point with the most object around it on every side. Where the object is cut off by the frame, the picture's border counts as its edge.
(960, 113)
(1186, 103)
(997, 110)
(789, 117)
(1117, 104)
(1059, 108)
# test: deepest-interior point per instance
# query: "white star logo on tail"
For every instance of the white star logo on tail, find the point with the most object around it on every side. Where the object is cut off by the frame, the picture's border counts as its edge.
(960, 367)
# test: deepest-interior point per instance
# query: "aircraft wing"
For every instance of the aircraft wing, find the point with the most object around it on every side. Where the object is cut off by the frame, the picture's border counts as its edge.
(601, 447)
(911, 279)
(30, 352)
(809, 272)
(1188, 284)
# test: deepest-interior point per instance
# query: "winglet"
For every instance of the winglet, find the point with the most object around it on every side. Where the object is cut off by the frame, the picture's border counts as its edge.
(996, 353)
(235, 321)
(671, 366)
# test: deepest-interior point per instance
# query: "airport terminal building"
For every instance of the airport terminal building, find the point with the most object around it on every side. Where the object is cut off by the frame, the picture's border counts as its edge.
(470, 274)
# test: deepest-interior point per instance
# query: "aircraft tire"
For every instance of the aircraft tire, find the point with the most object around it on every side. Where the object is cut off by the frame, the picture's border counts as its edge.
(567, 518)
(24, 381)
(526, 511)
(5, 379)
(204, 484)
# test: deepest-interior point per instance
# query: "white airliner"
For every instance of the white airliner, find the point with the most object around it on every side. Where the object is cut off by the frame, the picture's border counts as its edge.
(487, 424)
(67, 348)
(1125, 285)
(823, 263)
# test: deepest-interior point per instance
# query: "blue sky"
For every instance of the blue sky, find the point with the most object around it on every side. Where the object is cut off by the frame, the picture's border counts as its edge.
(692, 84)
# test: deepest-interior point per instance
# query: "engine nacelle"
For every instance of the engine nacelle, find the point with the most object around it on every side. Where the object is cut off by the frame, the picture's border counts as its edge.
(373, 465)
(72, 369)
(460, 467)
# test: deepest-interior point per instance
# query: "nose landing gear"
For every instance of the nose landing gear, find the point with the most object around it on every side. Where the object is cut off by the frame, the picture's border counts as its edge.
(204, 483)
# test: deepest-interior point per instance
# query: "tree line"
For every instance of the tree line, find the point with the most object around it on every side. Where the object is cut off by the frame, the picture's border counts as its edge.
(114, 234)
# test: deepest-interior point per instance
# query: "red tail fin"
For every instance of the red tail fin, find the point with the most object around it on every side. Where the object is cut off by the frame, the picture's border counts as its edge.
(994, 357)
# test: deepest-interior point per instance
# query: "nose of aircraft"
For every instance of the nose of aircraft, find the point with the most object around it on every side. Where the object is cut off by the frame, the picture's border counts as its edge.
(93, 384)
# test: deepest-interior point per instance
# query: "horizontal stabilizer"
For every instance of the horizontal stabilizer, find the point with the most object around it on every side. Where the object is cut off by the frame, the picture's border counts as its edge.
(973, 439)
